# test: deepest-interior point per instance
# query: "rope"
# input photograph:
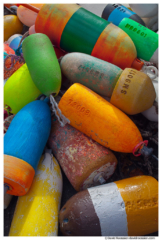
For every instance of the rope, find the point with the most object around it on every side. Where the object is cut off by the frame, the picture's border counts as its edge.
(61, 118)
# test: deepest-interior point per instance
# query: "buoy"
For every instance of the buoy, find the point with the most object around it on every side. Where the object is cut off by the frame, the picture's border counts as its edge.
(145, 40)
(19, 90)
(24, 143)
(42, 63)
(85, 162)
(100, 120)
(127, 207)
(26, 16)
(36, 213)
(152, 113)
(12, 25)
(78, 30)
(14, 41)
(8, 49)
(115, 13)
(130, 90)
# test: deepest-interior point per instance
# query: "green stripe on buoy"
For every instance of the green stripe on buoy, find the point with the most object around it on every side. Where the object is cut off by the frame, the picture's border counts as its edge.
(82, 31)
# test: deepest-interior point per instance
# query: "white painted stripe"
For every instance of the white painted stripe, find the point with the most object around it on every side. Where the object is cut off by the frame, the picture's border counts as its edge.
(110, 209)
(154, 57)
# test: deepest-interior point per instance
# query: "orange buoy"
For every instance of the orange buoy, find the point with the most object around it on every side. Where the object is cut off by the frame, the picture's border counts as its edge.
(99, 119)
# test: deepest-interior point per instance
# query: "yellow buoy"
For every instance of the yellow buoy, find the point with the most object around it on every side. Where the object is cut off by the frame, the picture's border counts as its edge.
(36, 213)
(12, 25)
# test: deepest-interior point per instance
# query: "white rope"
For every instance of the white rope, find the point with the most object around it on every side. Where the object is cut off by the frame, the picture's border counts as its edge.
(61, 118)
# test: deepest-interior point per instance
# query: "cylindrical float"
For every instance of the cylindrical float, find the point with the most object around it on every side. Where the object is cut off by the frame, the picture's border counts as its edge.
(24, 143)
(42, 63)
(85, 162)
(130, 90)
(115, 13)
(145, 40)
(128, 207)
(36, 213)
(12, 25)
(78, 30)
(20, 90)
(99, 119)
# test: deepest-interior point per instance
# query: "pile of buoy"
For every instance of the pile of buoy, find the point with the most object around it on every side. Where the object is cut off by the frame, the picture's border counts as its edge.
(72, 82)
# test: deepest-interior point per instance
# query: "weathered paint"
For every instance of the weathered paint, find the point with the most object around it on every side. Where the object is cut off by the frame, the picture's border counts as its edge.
(145, 40)
(94, 73)
(61, 13)
(12, 25)
(19, 90)
(134, 92)
(112, 44)
(42, 63)
(127, 207)
(25, 140)
(74, 39)
(80, 157)
(36, 213)
(99, 119)
(120, 52)
(8, 49)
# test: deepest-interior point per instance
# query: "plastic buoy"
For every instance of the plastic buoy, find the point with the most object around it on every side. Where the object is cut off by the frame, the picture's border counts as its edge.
(128, 207)
(24, 143)
(12, 25)
(36, 213)
(20, 90)
(78, 30)
(85, 162)
(8, 49)
(99, 119)
(14, 41)
(26, 16)
(145, 40)
(130, 90)
(42, 63)
(115, 13)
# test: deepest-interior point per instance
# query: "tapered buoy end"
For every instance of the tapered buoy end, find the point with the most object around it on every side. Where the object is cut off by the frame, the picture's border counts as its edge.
(134, 92)
(18, 175)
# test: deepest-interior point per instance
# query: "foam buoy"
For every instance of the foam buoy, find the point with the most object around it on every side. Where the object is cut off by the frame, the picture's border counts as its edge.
(19, 90)
(42, 63)
(128, 207)
(78, 30)
(115, 13)
(24, 143)
(14, 41)
(85, 162)
(12, 25)
(26, 16)
(36, 213)
(99, 119)
(130, 90)
(145, 40)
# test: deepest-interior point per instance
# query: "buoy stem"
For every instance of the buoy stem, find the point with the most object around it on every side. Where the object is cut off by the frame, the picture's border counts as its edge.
(32, 8)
